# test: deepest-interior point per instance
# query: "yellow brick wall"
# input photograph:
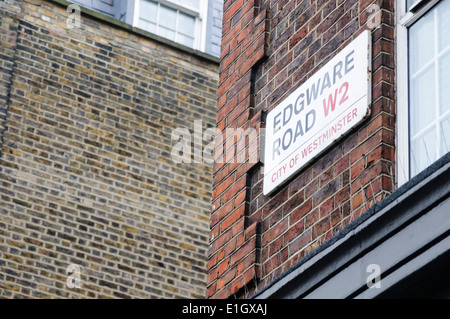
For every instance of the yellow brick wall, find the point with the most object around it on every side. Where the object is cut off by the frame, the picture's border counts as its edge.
(86, 175)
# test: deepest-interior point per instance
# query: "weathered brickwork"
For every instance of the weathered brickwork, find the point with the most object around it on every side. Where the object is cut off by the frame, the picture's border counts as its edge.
(329, 193)
(8, 35)
(235, 243)
(86, 175)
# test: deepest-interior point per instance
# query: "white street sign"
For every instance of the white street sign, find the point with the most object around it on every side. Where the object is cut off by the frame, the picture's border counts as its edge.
(326, 107)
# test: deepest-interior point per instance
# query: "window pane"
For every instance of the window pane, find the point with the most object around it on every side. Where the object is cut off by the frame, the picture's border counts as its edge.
(167, 17)
(146, 25)
(186, 24)
(422, 100)
(444, 83)
(148, 10)
(423, 151)
(166, 33)
(409, 3)
(170, 22)
(429, 87)
(443, 10)
(191, 3)
(421, 42)
(445, 136)
(188, 41)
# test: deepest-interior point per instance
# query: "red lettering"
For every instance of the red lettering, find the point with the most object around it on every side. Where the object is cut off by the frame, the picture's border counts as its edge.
(343, 90)
(331, 103)
(305, 152)
(344, 97)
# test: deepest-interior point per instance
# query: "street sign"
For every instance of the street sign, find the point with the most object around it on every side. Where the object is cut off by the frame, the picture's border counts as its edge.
(321, 111)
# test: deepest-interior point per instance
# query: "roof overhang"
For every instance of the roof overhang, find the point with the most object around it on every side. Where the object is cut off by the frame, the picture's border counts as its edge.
(406, 235)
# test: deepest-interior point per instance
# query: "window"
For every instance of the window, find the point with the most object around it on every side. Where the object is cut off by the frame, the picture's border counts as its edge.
(180, 21)
(423, 78)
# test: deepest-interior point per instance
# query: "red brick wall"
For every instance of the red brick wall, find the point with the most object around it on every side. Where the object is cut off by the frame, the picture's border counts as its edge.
(269, 49)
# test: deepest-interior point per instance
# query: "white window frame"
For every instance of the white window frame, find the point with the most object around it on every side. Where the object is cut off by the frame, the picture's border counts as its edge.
(201, 17)
(404, 21)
